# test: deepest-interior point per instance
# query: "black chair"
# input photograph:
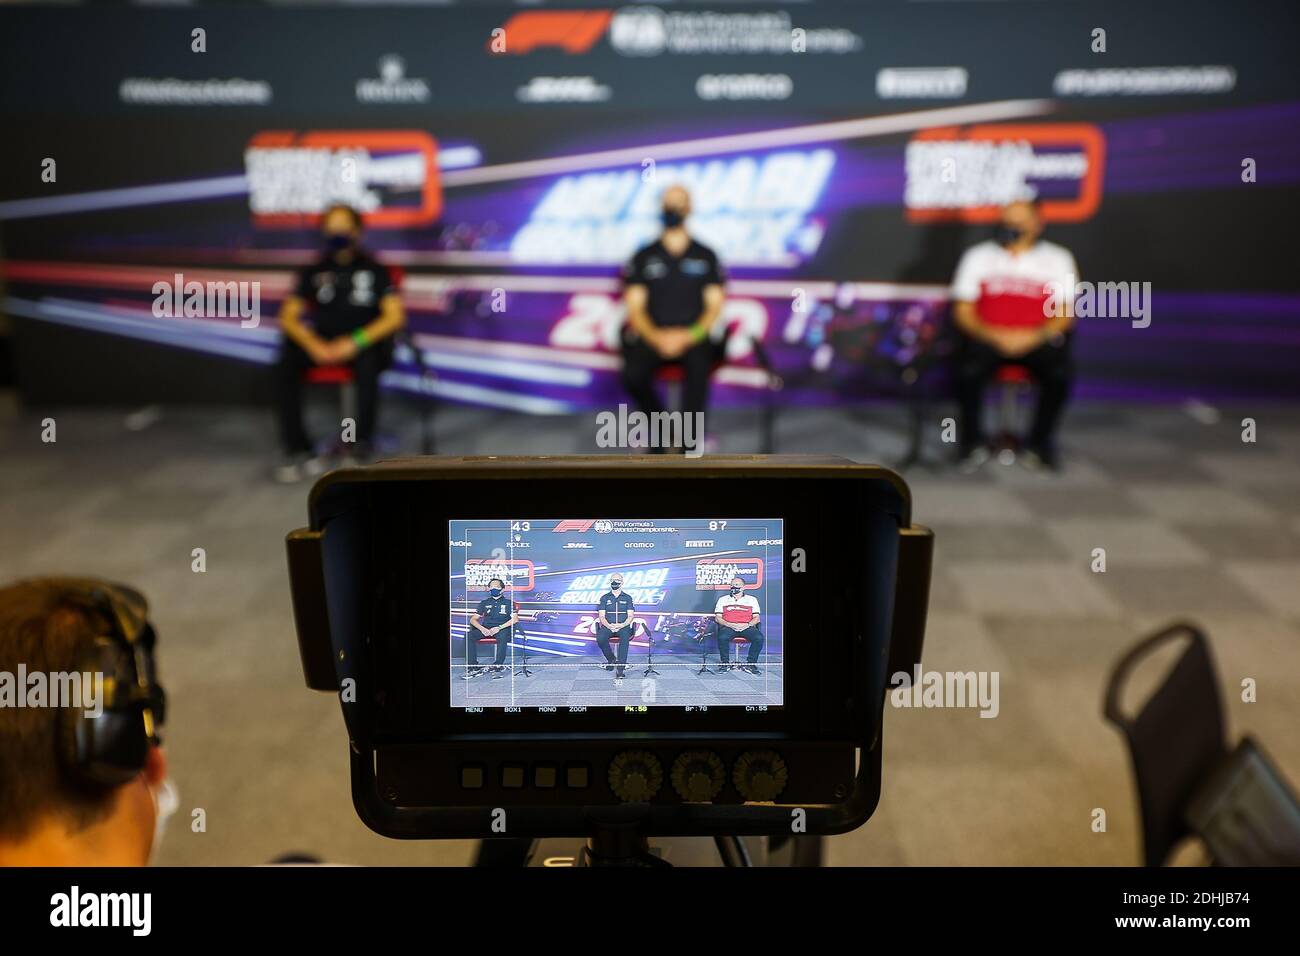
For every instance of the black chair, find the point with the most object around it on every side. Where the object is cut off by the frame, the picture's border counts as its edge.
(710, 643)
(1175, 741)
(672, 374)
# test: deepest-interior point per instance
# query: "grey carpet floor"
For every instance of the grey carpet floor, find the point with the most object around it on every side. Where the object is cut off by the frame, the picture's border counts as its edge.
(1195, 524)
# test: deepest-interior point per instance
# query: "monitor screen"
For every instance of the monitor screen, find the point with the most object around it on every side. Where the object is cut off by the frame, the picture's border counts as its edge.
(572, 614)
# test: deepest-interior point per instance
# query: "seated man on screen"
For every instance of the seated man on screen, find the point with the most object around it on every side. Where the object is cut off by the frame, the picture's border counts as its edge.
(495, 616)
(615, 617)
(1001, 307)
(736, 614)
(354, 310)
(673, 294)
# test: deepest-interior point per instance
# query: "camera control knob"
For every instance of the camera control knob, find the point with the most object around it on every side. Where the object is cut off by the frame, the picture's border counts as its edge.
(635, 776)
(698, 775)
(760, 775)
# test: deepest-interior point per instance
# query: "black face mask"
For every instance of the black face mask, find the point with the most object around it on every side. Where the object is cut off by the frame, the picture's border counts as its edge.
(735, 591)
(671, 218)
(1005, 235)
(338, 243)
(495, 592)
(616, 585)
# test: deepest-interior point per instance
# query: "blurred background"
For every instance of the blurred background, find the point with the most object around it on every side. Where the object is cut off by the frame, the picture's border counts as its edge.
(508, 159)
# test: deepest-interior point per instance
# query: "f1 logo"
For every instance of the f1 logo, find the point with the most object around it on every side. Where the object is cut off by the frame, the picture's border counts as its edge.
(569, 525)
(574, 31)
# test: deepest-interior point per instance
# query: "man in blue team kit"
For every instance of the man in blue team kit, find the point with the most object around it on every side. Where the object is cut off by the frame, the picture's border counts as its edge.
(495, 616)
(615, 617)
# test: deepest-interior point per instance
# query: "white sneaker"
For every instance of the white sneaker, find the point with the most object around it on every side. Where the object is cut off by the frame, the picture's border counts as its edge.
(289, 471)
(294, 468)
(315, 466)
(974, 459)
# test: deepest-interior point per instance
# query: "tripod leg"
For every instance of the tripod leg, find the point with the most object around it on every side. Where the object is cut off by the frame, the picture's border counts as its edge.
(504, 852)
(650, 658)
(522, 670)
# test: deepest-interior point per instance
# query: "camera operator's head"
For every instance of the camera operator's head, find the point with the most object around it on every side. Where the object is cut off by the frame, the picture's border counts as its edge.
(81, 770)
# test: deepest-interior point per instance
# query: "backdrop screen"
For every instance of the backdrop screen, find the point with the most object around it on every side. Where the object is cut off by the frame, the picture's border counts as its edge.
(536, 623)
(509, 181)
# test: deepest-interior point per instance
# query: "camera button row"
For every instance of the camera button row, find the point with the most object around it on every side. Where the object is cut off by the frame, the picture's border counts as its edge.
(471, 777)
(577, 776)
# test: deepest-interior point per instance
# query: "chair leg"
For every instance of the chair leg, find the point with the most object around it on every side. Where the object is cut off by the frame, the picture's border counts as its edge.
(348, 400)
(1007, 442)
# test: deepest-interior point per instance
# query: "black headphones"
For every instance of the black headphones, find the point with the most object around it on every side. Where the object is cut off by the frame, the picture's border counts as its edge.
(108, 750)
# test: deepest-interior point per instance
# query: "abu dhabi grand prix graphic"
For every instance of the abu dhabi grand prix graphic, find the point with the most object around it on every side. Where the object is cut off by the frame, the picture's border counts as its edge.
(616, 612)
(840, 224)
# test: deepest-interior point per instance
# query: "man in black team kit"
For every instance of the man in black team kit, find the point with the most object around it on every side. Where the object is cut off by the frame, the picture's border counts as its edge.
(495, 616)
(353, 308)
(673, 293)
(615, 617)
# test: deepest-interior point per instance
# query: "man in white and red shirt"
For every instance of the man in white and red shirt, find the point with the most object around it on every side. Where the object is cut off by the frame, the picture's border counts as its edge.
(1012, 304)
(737, 614)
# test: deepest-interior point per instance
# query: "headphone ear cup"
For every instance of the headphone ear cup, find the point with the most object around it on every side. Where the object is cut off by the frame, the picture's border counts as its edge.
(107, 750)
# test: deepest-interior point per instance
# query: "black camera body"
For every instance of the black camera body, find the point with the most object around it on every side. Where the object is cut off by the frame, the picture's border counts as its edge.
(398, 551)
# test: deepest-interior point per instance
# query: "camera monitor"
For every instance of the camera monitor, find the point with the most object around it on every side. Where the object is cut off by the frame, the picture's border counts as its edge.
(540, 647)
(575, 613)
